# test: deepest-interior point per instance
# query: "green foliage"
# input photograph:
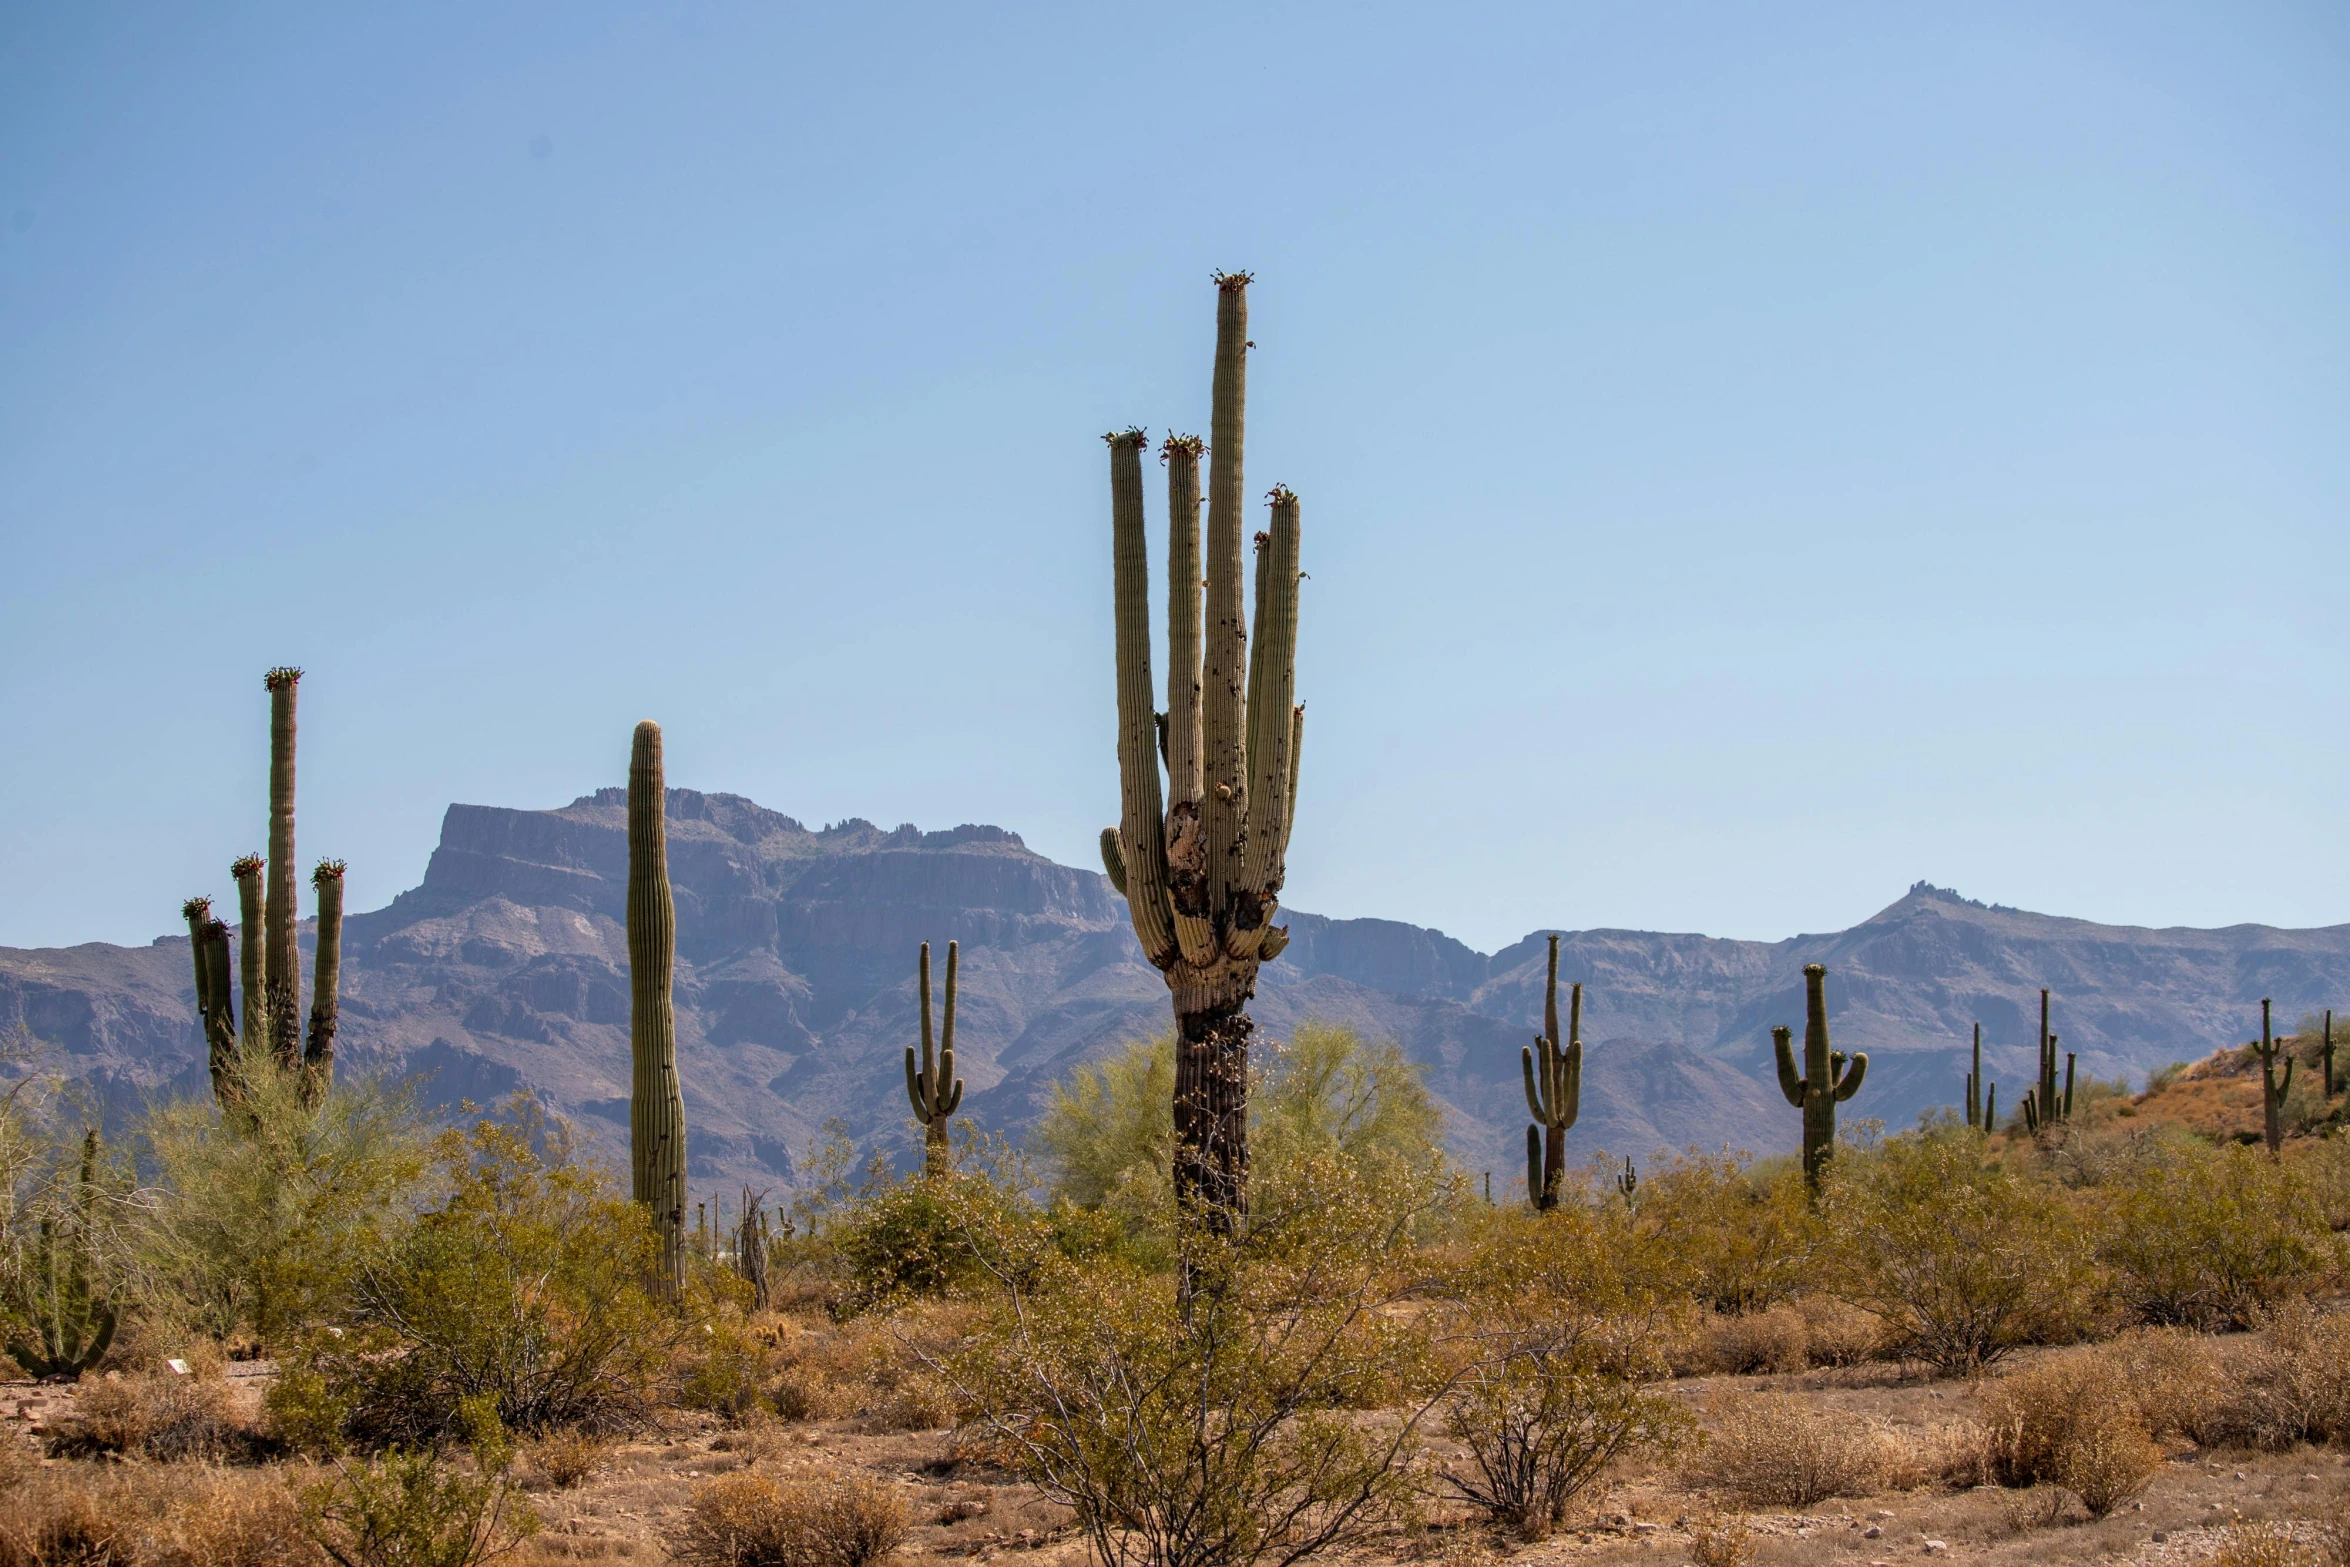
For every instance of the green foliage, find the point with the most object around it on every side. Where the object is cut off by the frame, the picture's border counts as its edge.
(2210, 1236)
(263, 1211)
(1961, 1261)
(56, 1294)
(526, 1284)
(414, 1508)
(1736, 1238)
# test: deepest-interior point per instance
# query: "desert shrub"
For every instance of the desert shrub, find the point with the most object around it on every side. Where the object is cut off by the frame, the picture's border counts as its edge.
(1962, 1263)
(228, 1518)
(803, 1390)
(927, 1236)
(51, 1521)
(186, 1515)
(2208, 1236)
(568, 1458)
(2172, 1374)
(524, 1285)
(264, 1211)
(2287, 1383)
(1207, 1415)
(2072, 1421)
(1737, 1239)
(1773, 1450)
(1719, 1541)
(749, 1520)
(1565, 1346)
(1752, 1343)
(726, 1367)
(2270, 1545)
(152, 1416)
(415, 1508)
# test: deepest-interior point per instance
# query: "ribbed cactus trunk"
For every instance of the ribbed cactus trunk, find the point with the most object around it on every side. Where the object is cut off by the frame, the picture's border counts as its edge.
(931, 1083)
(1202, 873)
(208, 944)
(284, 981)
(1827, 1080)
(656, 1105)
(326, 977)
(2273, 1088)
(1554, 1089)
(253, 949)
(1982, 1099)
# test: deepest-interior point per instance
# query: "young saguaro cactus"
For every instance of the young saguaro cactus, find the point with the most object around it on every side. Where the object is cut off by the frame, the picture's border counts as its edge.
(656, 1104)
(2273, 1088)
(1982, 1099)
(933, 1086)
(1202, 867)
(1554, 1089)
(72, 1320)
(1828, 1080)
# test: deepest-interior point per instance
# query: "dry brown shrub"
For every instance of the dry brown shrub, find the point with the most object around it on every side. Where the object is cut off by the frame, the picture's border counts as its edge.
(2039, 1507)
(803, 1391)
(749, 1520)
(63, 1519)
(2072, 1420)
(163, 1416)
(1751, 1343)
(1719, 1541)
(1838, 1333)
(231, 1519)
(1774, 1450)
(2173, 1374)
(2286, 1384)
(568, 1458)
(1954, 1453)
(2268, 1545)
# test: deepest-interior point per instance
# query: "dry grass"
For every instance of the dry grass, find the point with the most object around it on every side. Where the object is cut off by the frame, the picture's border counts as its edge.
(748, 1520)
(151, 1516)
(568, 1458)
(2072, 1420)
(2276, 1545)
(1773, 1450)
(1791, 1336)
(1716, 1541)
(160, 1416)
(2286, 1384)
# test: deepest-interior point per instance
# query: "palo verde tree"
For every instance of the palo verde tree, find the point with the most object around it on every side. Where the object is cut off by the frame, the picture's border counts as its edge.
(1201, 865)
(656, 1101)
(1827, 1080)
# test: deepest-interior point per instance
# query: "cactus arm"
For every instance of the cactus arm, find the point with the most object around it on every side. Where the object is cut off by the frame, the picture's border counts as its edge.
(1186, 840)
(656, 1120)
(326, 970)
(1782, 1045)
(1534, 1192)
(1275, 943)
(1990, 1107)
(2068, 1085)
(1272, 704)
(1140, 831)
(1570, 1097)
(914, 1093)
(1113, 860)
(1297, 745)
(285, 959)
(2285, 1083)
(1533, 1092)
(1849, 1084)
(252, 948)
(1224, 671)
(947, 1093)
(198, 913)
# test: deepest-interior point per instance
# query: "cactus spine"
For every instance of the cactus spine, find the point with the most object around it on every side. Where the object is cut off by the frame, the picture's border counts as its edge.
(933, 1086)
(656, 1104)
(1202, 873)
(1554, 1089)
(73, 1322)
(1827, 1081)
(2272, 1087)
(1982, 1099)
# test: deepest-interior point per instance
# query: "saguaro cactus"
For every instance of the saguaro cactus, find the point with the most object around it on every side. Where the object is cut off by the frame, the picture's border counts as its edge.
(285, 963)
(656, 1104)
(2272, 1087)
(751, 1243)
(1827, 1080)
(1554, 1089)
(1202, 873)
(2326, 1053)
(72, 1320)
(326, 971)
(933, 1086)
(208, 943)
(1982, 1099)
(1628, 1182)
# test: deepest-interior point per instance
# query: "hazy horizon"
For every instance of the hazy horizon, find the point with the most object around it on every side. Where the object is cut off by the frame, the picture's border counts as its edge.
(1749, 463)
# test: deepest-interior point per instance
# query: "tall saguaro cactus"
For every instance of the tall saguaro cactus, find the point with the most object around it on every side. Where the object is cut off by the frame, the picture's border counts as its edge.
(1202, 866)
(1554, 1089)
(1982, 1099)
(285, 962)
(933, 1086)
(1828, 1080)
(2272, 1087)
(656, 1104)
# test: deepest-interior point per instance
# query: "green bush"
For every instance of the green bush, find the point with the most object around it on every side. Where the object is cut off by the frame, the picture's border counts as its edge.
(413, 1508)
(2209, 1237)
(1736, 1238)
(525, 1285)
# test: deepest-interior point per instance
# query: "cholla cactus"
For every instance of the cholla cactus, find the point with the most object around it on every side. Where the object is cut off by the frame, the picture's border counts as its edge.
(656, 1104)
(933, 1086)
(1554, 1089)
(2272, 1087)
(1202, 869)
(72, 1318)
(1827, 1080)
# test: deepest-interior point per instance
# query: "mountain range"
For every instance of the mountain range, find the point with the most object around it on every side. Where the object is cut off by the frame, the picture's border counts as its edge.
(506, 970)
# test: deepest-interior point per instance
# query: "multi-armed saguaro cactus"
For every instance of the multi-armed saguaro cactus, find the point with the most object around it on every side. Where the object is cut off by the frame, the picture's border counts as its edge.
(1827, 1080)
(656, 1103)
(208, 941)
(1982, 1099)
(1628, 1182)
(2273, 1088)
(1554, 1090)
(2045, 1105)
(1201, 875)
(72, 1320)
(932, 1085)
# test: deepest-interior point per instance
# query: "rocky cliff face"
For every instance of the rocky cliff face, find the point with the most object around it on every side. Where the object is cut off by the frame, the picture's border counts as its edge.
(506, 970)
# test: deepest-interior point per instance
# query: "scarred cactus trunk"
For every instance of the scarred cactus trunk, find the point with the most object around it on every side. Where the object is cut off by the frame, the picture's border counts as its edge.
(326, 970)
(1202, 871)
(656, 1106)
(1827, 1080)
(284, 980)
(1554, 1089)
(931, 1083)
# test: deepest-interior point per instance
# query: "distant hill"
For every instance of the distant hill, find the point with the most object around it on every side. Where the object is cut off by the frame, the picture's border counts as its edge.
(506, 969)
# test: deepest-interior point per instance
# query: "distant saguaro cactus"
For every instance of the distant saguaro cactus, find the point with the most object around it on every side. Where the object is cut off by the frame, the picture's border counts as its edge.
(1202, 874)
(72, 1319)
(656, 1103)
(2326, 1053)
(2272, 1087)
(1554, 1089)
(933, 1086)
(1982, 1099)
(1628, 1182)
(2054, 1111)
(1827, 1080)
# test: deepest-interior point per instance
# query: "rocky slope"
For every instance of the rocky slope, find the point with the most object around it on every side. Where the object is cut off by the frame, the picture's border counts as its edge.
(505, 970)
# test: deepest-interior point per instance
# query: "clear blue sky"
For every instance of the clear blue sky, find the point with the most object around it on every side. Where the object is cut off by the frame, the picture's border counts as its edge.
(1752, 457)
